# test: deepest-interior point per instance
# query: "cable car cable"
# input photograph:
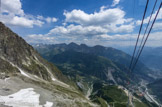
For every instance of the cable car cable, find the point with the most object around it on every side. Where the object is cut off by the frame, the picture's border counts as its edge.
(132, 59)
(146, 28)
(147, 36)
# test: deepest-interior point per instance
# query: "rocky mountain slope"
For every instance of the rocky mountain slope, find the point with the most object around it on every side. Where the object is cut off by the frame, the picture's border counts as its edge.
(29, 80)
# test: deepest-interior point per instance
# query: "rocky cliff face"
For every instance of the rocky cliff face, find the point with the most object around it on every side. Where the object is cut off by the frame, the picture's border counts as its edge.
(17, 52)
(23, 70)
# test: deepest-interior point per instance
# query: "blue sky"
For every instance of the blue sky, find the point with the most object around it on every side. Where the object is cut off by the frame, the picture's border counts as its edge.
(104, 22)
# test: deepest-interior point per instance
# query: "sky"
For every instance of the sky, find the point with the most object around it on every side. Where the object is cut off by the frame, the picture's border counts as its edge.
(93, 22)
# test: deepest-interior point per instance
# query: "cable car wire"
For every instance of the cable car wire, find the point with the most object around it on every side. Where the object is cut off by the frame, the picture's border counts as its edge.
(146, 29)
(147, 36)
(132, 59)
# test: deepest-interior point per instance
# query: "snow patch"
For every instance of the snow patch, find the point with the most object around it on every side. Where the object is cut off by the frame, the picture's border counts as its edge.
(24, 98)
(48, 104)
(7, 79)
(21, 71)
(36, 58)
(90, 89)
(53, 79)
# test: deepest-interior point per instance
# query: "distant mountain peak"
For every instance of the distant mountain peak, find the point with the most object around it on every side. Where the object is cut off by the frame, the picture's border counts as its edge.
(98, 46)
(73, 43)
(83, 45)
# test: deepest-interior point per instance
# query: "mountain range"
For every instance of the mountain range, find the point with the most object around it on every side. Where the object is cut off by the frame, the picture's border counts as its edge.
(119, 58)
(94, 67)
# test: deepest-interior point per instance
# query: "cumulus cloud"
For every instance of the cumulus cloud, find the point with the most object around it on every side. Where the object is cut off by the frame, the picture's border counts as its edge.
(97, 23)
(89, 31)
(49, 19)
(77, 30)
(21, 21)
(12, 6)
(103, 17)
(13, 14)
(115, 2)
(107, 20)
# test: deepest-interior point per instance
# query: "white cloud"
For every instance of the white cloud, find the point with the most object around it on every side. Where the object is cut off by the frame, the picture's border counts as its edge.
(98, 23)
(21, 21)
(107, 20)
(13, 14)
(49, 19)
(115, 2)
(89, 31)
(40, 17)
(77, 30)
(12, 6)
(157, 26)
(125, 28)
(103, 17)
(54, 19)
